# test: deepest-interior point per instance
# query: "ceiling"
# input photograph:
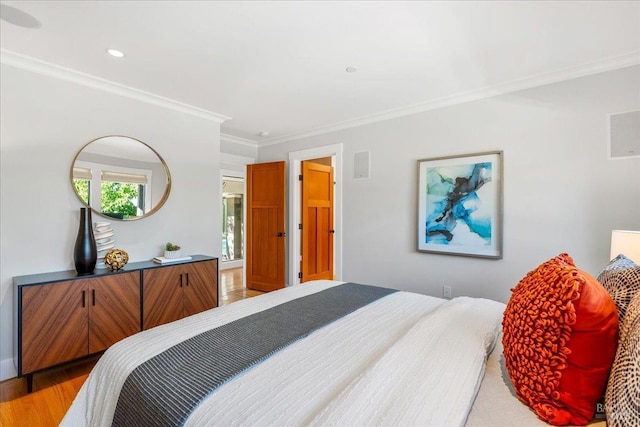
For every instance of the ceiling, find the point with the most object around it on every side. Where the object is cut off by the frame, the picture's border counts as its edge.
(280, 67)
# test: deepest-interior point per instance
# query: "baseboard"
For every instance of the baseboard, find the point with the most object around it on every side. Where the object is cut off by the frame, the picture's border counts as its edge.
(7, 369)
(226, 265)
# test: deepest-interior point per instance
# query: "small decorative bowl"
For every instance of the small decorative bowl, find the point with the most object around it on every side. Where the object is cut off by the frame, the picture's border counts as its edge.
(172, 254)
(115, 259)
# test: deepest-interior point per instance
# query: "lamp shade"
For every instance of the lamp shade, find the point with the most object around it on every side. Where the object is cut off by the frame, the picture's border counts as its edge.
(627, 243)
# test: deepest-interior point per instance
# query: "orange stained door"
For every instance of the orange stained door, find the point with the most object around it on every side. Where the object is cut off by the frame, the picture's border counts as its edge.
(317, 222)
(265, 251)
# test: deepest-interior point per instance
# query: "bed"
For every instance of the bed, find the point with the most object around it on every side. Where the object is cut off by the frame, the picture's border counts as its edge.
(399, 359)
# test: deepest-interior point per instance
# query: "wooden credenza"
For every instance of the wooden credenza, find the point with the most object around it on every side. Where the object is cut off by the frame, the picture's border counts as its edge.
(174, 292)
(60, 316)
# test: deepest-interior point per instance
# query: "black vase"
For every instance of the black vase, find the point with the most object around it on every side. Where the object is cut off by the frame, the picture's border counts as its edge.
(85, 253)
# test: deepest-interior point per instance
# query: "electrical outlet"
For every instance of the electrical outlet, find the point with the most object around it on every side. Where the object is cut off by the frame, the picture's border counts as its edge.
(446, 292)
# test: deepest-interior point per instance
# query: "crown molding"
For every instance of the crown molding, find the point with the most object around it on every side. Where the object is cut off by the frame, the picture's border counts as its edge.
(608, 64)
(237, 140)
(38, 66)
(48, 69)
(234, 159)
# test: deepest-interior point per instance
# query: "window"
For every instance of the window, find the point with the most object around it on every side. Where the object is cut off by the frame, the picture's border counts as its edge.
(122, 194)
(82, 183)
(232, 218)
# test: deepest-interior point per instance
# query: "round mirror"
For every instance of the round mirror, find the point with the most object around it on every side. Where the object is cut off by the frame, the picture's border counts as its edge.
(120, 177)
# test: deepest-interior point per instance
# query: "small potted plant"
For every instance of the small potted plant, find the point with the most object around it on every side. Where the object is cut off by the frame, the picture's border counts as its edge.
(171, 251)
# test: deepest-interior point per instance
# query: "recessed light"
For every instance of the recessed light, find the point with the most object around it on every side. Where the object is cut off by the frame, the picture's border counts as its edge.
(116, 53)
(351, 69)
(264, 133)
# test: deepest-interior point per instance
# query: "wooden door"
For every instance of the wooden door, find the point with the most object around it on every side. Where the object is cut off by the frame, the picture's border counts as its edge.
(162, 296)
(266, 234)
(317, 222)
(114, 313)
(201, 287)
(54, 324)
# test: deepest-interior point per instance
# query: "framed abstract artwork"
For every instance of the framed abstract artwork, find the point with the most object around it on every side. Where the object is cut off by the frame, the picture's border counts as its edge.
(460, 205)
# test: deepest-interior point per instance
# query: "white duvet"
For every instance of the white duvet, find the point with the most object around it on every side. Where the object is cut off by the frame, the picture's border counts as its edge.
(406, 359)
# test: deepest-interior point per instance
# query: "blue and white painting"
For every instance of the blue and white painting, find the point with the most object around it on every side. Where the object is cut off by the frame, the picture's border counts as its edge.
(459, 206)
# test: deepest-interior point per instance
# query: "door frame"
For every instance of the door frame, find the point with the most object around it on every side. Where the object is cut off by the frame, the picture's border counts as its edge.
(295, 200)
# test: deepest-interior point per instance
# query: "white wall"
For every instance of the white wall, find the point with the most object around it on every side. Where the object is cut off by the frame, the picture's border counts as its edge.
(561, 194)
(238, 146)
(45, 121)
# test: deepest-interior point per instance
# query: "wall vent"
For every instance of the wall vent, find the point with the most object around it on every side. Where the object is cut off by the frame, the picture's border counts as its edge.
(624, 135)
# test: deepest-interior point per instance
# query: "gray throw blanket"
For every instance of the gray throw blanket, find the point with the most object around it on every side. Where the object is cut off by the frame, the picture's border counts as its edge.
(164, 390)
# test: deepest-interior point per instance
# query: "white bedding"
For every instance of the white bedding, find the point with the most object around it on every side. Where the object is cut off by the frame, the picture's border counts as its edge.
(406, 359)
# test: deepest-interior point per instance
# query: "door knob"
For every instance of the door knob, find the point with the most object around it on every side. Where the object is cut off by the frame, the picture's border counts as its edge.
(281, 234)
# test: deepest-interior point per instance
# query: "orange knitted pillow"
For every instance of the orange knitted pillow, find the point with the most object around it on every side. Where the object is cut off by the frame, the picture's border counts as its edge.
(560, 333)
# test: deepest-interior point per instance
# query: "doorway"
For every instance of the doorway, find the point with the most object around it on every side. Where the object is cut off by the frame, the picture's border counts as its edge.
(233, 202)
(295, 201)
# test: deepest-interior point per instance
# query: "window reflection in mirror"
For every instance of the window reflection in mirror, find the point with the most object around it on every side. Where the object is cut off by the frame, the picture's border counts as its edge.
(120, 177)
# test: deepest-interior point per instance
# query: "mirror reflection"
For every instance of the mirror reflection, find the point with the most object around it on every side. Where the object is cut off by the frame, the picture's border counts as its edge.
(120, 177)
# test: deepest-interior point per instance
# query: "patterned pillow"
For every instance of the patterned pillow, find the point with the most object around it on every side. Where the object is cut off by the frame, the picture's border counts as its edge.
(621, 278)
(560, 333)
(619, 262)
(623, 389)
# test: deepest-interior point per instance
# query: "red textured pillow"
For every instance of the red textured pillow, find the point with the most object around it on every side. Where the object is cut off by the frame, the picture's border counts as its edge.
(560, 333)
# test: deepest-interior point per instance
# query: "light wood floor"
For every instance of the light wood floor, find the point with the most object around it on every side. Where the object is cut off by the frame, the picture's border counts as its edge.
(55, 389)
(232, 288)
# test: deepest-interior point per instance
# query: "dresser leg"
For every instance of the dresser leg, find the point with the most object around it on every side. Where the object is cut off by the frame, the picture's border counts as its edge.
(29, 383)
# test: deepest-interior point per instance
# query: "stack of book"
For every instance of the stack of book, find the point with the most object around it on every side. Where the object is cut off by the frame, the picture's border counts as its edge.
(163, 260)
